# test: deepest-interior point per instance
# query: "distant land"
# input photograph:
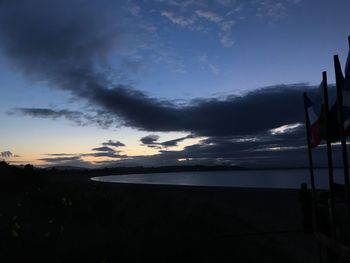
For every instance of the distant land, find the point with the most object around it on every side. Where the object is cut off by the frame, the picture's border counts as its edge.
(121, 170)
(170, 169)
(82, 171)
(137, 169)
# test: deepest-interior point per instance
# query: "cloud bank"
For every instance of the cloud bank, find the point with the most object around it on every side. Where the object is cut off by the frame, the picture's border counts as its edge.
(251, 113)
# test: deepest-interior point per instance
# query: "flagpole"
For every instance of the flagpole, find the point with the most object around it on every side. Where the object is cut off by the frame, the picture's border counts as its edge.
(329, 155)
(311, 166)
(339, 84)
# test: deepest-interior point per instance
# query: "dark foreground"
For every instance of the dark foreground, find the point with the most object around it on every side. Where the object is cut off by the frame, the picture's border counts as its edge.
(83, 221)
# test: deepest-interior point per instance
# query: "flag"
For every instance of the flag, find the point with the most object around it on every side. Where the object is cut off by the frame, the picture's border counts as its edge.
(333, 123)
(317, 118)
(314, 123)
(346, 95)
(333, 133)
(344, 84)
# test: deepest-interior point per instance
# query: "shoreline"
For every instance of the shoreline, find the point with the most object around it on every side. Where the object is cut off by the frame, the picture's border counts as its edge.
(195, 187)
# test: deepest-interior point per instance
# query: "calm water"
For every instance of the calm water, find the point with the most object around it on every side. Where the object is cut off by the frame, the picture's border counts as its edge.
(256, 178)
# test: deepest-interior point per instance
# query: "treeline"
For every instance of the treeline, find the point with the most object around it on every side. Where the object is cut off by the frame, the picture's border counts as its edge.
(7, 169)
(141, 169)
(12, 173)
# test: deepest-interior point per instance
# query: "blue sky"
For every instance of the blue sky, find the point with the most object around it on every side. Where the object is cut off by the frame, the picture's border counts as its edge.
(179, 53)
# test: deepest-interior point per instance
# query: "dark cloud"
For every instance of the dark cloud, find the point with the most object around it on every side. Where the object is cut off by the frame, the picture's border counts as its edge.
(44, 112)
(248, 147)
(150, 139)
(253, 112)
(175, 142)
(103, 149)
(61, 42)
(74, 116)
(263, 150)
(234, 115)
(60, 159)
(58, 154)
(75, 160)
(285, 148)
(58, 41)
(6, 154)
(101, 119)
(113, 143)
(105, 154)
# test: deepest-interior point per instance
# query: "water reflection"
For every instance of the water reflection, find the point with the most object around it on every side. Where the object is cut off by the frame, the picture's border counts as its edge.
(254, 178)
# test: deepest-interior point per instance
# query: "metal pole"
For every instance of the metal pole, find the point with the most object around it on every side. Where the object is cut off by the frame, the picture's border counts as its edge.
(311, 167)
(329, 155)
(339, 84)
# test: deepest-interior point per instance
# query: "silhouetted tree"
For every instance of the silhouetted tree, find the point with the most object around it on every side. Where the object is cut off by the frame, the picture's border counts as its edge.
(4, 164)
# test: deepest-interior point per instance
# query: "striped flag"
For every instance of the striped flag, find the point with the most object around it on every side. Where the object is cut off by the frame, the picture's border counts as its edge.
(314, 120)
(346, 95)
(317, 118)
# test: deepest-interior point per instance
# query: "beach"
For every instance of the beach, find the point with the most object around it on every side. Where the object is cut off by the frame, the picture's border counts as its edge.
(79, 220)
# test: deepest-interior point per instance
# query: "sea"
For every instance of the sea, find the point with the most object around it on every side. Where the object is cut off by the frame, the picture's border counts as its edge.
(288, 179)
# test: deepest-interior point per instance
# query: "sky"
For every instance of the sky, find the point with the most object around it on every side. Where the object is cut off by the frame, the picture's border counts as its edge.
(163, 82)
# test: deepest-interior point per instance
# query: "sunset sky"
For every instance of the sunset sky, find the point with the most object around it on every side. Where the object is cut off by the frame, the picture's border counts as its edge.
(163, 82)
